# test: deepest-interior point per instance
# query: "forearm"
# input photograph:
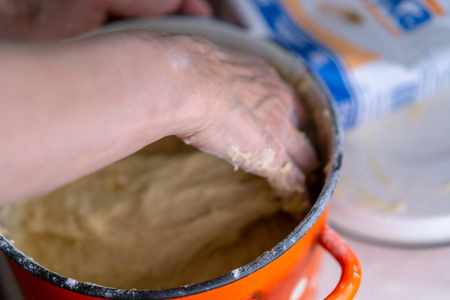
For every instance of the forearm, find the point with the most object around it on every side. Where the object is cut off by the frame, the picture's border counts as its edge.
(71, 109)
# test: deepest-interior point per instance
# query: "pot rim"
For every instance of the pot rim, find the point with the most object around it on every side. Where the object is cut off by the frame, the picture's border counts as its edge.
(98, 291)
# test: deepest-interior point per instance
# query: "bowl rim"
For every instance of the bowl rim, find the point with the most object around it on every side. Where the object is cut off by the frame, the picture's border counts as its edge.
(318, 208)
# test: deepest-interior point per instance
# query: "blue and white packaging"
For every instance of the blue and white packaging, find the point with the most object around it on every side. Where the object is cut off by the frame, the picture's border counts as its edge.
(373, 56)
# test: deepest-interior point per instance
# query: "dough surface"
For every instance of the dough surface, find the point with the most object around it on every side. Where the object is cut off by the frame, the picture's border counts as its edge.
(164, 217)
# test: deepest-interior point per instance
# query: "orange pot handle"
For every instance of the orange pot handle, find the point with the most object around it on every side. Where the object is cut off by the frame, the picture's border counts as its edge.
(351, 269)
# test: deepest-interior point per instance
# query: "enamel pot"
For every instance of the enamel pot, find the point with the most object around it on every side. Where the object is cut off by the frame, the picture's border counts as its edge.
(290, 270)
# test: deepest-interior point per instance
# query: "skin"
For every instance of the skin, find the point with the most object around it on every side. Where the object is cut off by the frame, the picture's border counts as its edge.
(58, 19)
(69, 109)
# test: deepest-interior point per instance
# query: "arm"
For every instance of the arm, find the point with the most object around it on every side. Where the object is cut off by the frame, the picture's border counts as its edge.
(53, 20)
(69, 109)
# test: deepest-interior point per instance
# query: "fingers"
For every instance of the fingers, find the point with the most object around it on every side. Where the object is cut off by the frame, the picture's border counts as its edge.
(290, 184)
(285, 177)
(288, 180)
(300, 149)
(196, 8)
(266, 156)
(285, 110)
(142, 8)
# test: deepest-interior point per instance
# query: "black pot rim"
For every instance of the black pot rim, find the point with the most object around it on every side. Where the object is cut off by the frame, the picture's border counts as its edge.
(97, 291)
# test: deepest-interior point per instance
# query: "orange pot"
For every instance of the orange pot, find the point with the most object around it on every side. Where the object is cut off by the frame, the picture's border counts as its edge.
(289, 271)
(292, 275)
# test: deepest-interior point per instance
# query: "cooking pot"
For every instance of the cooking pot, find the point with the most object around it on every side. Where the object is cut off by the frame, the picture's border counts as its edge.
(291, 269)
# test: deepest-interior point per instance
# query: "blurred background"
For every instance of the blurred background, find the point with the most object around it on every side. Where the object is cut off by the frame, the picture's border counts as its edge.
(387, 66)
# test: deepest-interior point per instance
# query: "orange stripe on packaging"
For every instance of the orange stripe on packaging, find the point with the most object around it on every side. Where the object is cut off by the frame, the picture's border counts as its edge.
(435, 7)
(381, 18)
(351, 54)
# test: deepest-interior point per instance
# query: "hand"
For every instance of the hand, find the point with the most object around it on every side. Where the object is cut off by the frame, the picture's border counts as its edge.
(105, 97)
(250, 115)
(51, 20)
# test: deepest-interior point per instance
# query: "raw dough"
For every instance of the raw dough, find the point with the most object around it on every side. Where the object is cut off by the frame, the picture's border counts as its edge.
(158, 219)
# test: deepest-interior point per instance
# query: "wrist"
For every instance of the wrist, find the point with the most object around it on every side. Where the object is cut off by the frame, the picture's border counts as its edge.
(153, 77)
(180, 102)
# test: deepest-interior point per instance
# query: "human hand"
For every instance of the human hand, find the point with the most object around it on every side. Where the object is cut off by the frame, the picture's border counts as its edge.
(248, 114)
(107, 96)
(52, 20)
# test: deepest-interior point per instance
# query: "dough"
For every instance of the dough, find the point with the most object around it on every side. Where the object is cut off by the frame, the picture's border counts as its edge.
(164, 217)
